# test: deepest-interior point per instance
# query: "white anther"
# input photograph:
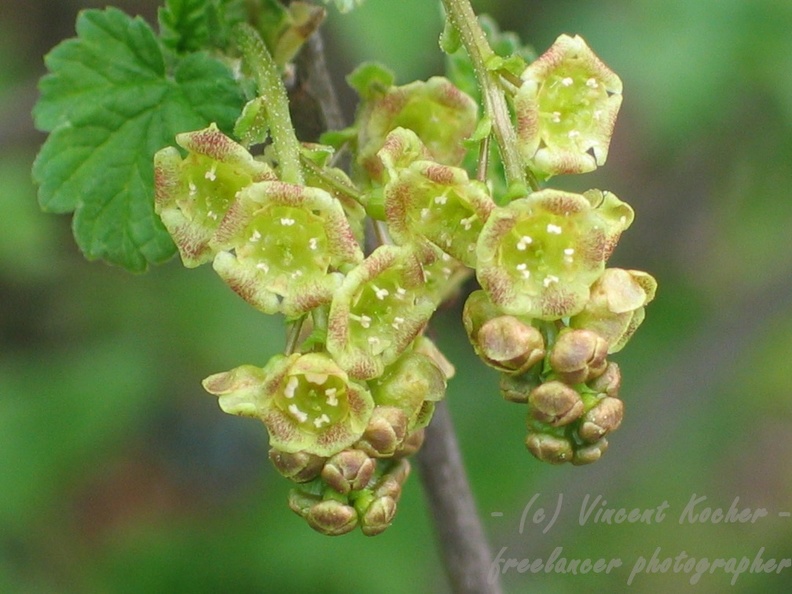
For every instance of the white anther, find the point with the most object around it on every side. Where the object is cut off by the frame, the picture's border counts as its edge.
(323, 420)
(286, 221)
(313, 243)
(256, 236)
(567, 81)
(291, 386)
(554, 229)
(549, 280)
(297, 413)
(332, 398)
(524, 242)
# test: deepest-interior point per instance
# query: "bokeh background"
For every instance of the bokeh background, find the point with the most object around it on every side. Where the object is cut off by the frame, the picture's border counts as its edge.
(118, 474)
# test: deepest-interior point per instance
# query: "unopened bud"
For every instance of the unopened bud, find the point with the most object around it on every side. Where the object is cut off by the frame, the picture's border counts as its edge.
(604, 418)
(509, 344)
(555, 403)
(578, 356)
(385, 432)
(609, 382)
(299, 466)
(549, 448)
(332, 517)
(590, 453)
(411, 444)
(350, 470)
(378, 516)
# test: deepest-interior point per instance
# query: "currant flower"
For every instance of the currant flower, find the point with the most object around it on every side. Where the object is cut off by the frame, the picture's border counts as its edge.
(378, 311)
(438, 112)
(192, 195)
(566, 109)
(307, 402)
(427, 202)
(538, 256)
(616, 306)
(286, 241)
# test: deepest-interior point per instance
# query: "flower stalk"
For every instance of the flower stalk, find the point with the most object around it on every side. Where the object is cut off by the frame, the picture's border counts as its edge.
(270, 87)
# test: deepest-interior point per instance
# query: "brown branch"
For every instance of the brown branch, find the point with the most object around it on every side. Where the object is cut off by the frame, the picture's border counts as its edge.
(463, 544)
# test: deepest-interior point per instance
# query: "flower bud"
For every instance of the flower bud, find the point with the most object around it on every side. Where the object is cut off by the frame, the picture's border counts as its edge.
(504, 342)
(549, 448)
(385, 432)
(411, 444)
(555, 403)
(578, 356)
(590, 453)
(609, 382)
(378, 515)
(508, 344)
(298, 466)
(350, 470)
(605, 417)
(332, 517)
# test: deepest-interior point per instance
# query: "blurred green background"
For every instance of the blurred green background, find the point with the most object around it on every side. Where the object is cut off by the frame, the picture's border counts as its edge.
(119, 474)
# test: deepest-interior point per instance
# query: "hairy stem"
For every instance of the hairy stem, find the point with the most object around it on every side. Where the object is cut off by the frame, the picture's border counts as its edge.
(271, 88)
(465, 551)
(463, 19)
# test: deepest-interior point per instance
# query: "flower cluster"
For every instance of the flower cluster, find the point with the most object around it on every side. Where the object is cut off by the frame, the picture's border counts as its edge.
(347, 403)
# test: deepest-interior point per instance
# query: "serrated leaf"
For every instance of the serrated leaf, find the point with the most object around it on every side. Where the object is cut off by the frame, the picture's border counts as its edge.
(110, 103)
(192, 25)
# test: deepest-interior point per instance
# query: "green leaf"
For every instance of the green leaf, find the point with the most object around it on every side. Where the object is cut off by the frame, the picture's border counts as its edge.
(192, 25)
(370, 79)
(110, 103)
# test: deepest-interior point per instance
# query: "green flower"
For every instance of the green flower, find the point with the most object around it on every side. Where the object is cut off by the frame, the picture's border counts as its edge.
(430, 202)
(377, 312)
(538, 256)
(616, 306)
(439, 113)
(307, 402)
(286, 240)
(566, 108)
(192, 195)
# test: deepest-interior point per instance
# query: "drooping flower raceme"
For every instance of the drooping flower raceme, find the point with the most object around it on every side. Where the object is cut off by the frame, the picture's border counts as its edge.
(307, 402)
(192, 195)
(285, 240)
(538, 256)
(566, 108)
